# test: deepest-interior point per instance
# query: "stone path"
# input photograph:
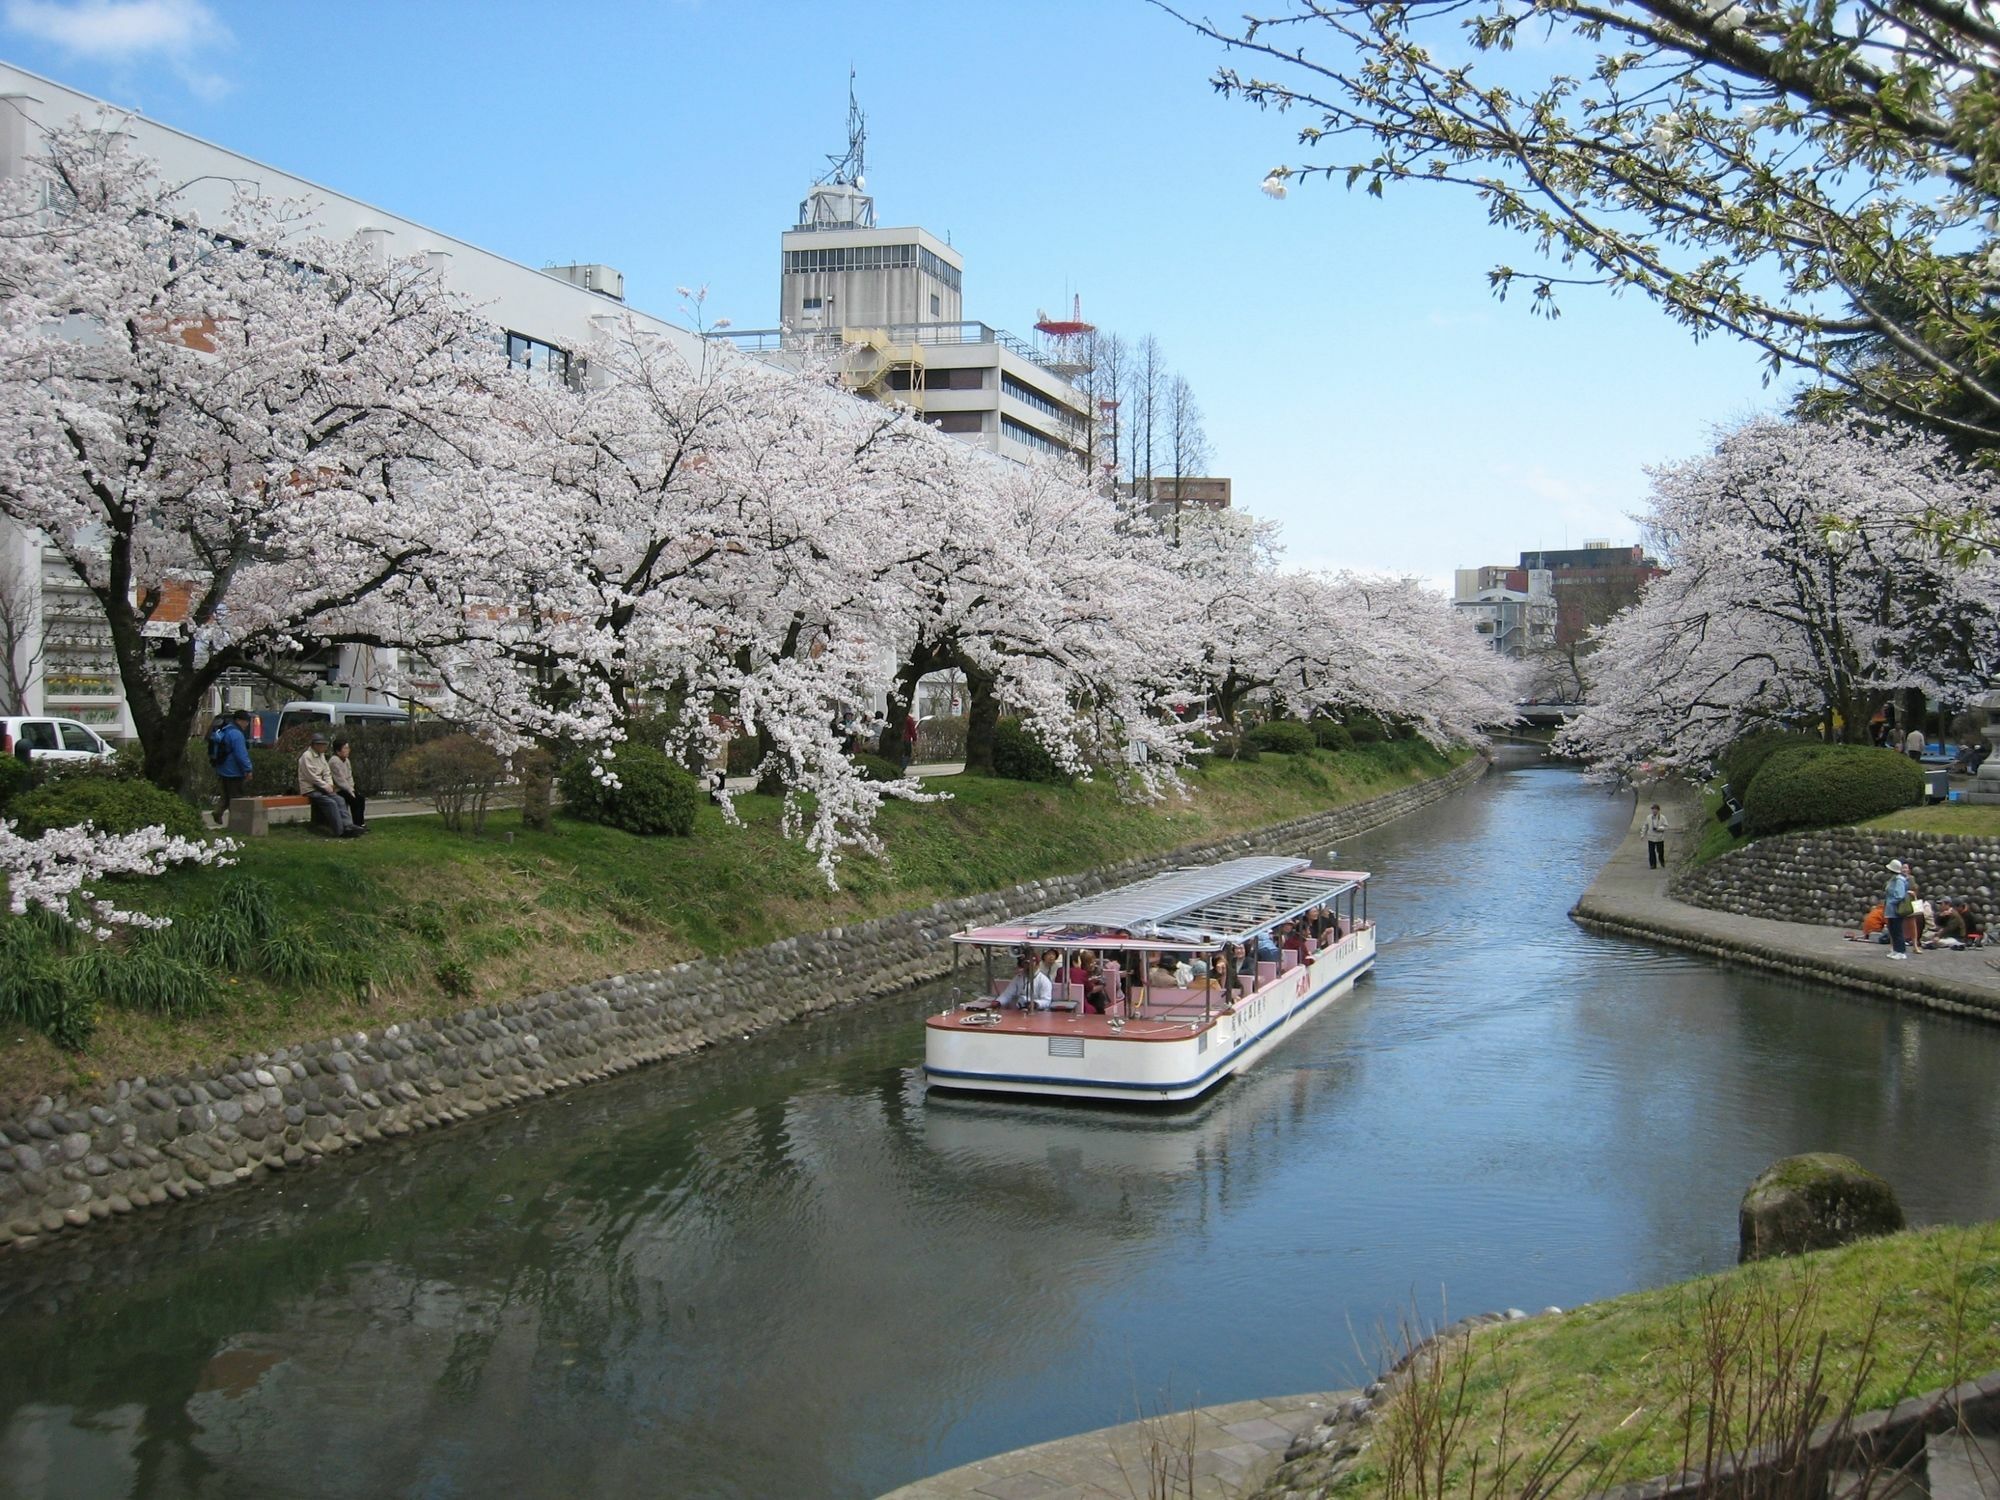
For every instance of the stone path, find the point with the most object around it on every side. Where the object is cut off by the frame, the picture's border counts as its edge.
(1229, 1448)
(1629, 900)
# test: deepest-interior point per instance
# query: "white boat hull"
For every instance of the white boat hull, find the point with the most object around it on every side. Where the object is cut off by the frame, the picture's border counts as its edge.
(1083, 1057)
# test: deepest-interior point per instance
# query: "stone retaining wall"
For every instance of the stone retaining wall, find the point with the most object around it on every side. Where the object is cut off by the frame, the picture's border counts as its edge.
(154, 1141)
(1832, 876)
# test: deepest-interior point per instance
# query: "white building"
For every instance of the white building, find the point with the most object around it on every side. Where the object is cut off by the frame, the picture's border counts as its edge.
(894, 300)
(545, 317)
(1514, 608)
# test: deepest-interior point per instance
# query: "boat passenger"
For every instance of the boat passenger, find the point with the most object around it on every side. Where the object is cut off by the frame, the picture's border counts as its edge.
(1042, 988)
(1295, 937)
(1159, 977)
(1233, 982)
(1267, 948)
(1017, 986)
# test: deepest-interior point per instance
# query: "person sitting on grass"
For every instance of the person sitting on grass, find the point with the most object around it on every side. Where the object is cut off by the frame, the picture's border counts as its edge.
(316, 784)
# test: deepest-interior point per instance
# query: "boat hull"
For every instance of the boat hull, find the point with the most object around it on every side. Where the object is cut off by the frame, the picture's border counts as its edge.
(1084, 1058)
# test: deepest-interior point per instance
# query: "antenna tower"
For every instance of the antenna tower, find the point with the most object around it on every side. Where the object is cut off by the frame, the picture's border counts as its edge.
(851, 169)
(1068, 341)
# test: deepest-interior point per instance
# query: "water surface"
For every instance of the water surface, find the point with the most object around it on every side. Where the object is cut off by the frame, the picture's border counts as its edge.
(782, 1270)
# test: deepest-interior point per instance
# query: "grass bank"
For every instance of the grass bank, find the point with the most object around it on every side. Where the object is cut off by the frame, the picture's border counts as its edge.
(414, 920)
(1625, 1371)
(1967, 819)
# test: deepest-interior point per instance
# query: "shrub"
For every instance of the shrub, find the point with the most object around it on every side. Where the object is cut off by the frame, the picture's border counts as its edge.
(273, 773)
(15, 778)
(1814, 786)
(1282, 737)
(1019, 756)
(458, 773)
(653, 794)
(875, 768)
(1739, 764)
(112, 804)
(1365, 729)
(941, 739)
(1236, 747)
(1332, 736)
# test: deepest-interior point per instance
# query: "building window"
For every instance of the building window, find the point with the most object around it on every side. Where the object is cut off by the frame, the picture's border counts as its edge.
(936, 308)
(811, 304)
(957, 421)
(1022, 433)
(1027, 395)
(871, 258)
(543, 361)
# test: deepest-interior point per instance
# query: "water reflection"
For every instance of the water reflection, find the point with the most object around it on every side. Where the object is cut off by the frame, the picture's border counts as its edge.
(781, 1269)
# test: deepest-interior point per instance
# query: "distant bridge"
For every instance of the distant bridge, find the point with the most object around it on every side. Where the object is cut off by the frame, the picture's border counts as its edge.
(1548, 715)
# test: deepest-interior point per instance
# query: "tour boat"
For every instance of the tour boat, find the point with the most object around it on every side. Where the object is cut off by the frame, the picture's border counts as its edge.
(1154, 1041)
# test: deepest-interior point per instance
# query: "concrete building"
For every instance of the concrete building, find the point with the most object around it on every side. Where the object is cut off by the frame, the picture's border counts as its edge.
(1592, 583)
(544, 318)
(1170, 497)
(1513, 608)
(893, 301)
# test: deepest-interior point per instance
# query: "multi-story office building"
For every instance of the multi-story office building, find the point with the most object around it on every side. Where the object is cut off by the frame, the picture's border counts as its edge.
(1592, 583)
(893, 300)
(1513, 608)
(543, 318)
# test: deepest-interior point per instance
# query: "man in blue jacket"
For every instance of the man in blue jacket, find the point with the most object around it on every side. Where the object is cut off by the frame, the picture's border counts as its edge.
(229, 753)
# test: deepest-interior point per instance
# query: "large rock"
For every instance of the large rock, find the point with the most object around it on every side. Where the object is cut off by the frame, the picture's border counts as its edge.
(1814, 1202)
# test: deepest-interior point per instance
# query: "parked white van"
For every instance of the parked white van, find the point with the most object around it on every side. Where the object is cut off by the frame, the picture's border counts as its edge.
(271, 723)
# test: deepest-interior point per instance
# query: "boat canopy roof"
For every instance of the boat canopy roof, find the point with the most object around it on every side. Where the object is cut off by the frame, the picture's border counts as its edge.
(1231, 901)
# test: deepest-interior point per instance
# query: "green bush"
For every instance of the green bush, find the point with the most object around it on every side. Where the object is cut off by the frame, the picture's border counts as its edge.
(1236, 747)
(653, 794)
(1365, 729)
(1282, 737)
(15, 778)
(1816, 786)
(1019, 756)
(875, 768)
(1739, 764)
(113, 805)
(1331, 735)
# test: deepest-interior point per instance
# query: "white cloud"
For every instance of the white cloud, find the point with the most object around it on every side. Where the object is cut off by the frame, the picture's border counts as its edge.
(128, 31)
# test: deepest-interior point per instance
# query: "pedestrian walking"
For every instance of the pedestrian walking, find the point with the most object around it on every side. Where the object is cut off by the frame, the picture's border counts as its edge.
(1655, 829)
(1897, 905)
(1913, 744)
(229, 754)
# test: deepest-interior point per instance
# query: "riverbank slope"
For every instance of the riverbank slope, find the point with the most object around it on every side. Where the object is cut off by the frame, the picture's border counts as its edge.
(415, 921)
(1628, 899)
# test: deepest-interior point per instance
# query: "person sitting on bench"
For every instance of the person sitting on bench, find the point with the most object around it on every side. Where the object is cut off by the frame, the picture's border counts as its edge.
(316, 785)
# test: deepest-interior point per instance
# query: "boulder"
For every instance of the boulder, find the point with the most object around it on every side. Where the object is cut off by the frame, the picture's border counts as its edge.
(1813, 1202)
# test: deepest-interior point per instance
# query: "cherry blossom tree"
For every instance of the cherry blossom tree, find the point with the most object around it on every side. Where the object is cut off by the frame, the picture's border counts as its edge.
(235, 434)
(59, 870)
(1805, 588)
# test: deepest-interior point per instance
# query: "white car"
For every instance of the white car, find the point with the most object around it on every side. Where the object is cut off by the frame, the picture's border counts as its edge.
(48, 738)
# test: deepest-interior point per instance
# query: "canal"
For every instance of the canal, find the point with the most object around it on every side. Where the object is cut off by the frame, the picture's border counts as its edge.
(780, 1270)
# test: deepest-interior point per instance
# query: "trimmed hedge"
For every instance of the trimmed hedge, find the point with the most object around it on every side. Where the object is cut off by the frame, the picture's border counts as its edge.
(1366, 729)
(1816, 786)
(1282, 737)
(1019, 756)
(112, 804)
(1740, 763)
(875, 768)
(15, 778)
(653, 795)
(1332, 736)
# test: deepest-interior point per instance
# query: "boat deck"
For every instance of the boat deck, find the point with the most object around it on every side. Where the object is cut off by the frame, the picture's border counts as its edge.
(1157, 1025)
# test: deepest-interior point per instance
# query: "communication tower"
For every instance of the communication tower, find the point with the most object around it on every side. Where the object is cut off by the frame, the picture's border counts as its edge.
(839, 197)
(1068, 349)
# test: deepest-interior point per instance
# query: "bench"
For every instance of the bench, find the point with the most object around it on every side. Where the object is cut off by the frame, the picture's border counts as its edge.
(253, 816)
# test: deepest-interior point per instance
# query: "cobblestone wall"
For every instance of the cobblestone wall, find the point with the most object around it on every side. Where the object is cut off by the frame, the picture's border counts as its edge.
(154, 1141)
(1831, 876)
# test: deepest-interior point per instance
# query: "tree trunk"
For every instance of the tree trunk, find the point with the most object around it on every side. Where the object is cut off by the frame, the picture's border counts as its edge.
(982, 714)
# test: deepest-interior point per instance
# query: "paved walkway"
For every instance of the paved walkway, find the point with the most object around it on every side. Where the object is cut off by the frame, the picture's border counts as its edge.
(1629, 900)
(1229, 1448)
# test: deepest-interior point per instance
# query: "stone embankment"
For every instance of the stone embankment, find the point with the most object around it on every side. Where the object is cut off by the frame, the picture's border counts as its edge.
(1831, 876)
(1632, 901)
(153, 1141)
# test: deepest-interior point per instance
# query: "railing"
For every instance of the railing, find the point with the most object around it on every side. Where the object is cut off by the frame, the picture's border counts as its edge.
(771, 340)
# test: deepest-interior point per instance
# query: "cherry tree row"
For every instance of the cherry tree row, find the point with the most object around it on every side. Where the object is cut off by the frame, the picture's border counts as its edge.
(1809, 582)
(250, 442)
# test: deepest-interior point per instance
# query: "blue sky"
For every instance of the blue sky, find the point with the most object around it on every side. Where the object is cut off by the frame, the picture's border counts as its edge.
(1360, 384)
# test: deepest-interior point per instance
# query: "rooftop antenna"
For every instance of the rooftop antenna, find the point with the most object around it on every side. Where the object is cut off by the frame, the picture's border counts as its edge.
(839, 196)
(851, 169)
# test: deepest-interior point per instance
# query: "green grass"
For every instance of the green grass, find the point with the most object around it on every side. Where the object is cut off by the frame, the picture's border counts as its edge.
(1971, 820)
(1716, 839)
(1612, 1366)
(415, 920)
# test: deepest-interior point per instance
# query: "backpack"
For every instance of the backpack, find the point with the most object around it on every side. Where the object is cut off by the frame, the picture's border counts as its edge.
(218, 747)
